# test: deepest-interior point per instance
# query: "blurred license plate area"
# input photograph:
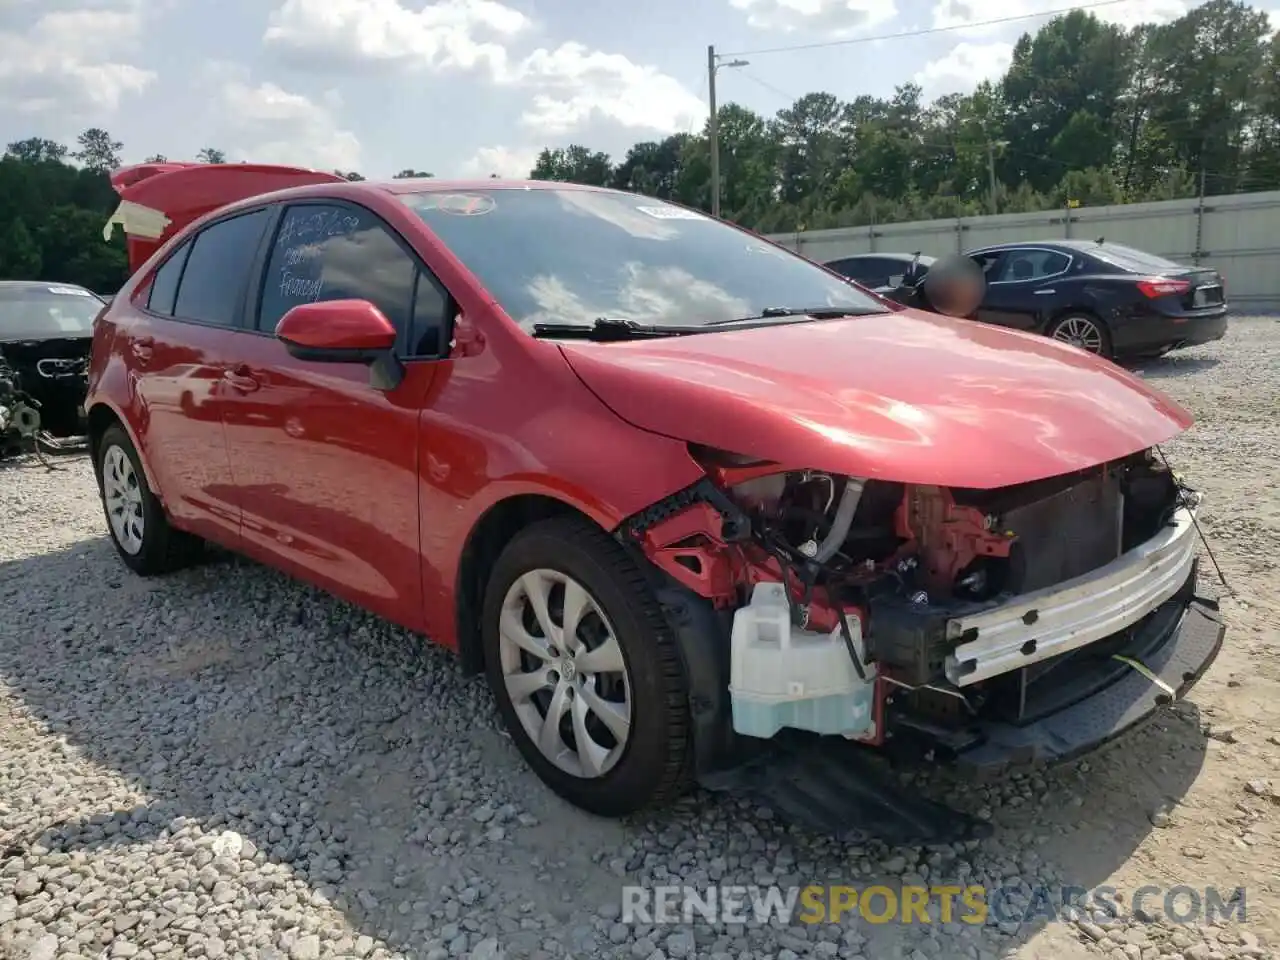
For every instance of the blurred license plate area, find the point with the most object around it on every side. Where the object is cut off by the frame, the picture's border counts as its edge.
(1207, 296)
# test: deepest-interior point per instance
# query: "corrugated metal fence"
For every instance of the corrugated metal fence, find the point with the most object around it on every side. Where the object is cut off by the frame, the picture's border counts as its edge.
(1237, 234)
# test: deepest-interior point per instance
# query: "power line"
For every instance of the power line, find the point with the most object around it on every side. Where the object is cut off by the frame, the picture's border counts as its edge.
(926, 31)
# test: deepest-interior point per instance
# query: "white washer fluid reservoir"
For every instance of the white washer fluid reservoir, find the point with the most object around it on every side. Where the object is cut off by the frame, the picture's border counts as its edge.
(782, 676)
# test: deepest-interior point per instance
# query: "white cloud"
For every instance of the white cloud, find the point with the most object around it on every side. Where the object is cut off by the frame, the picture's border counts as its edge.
(567, 85)
(445, 35)
(573, 83)
(264, 123)
(507, 162)
(835, 17)
(964, 67)
(70, 62)
(963, 14)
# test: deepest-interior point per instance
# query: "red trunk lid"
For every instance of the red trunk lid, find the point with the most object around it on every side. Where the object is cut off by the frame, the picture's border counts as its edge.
(158, 199)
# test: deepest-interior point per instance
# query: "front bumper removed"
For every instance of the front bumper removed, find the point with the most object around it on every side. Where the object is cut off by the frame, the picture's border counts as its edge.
(1176, 645)
(1067, 616)
(836, 787)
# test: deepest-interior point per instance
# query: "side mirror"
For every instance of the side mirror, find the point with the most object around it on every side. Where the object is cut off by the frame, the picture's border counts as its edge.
(343, 331)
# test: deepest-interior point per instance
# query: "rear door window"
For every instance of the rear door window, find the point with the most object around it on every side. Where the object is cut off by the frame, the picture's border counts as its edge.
(1128, 258)
(164, 286)
(868, 272)
(217, 269)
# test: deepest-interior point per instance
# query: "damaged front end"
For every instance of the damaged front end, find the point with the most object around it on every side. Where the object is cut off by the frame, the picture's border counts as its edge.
(42, 391)
(823, 615)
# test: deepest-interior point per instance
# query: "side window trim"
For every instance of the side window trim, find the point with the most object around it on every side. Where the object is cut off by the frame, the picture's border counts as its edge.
(188, 246)
(253, 305)
(183, 251)
(443, 329)
(251, 296)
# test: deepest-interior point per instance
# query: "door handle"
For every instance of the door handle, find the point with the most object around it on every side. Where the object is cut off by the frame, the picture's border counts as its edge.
(240, 379)
(142, 348)
(1040, 293)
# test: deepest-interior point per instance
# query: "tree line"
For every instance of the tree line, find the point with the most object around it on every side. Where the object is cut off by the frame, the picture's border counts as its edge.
(1088, 112)
(54, 201)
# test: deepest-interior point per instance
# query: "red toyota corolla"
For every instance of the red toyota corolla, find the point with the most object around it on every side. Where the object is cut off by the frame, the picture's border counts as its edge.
(688, 499)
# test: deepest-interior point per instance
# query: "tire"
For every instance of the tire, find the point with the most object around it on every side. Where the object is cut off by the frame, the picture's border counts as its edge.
(613, 777)
(1098, 341)
(136, 521)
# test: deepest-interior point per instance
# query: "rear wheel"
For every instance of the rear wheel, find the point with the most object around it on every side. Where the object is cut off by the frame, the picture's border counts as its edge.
(141, 532)
(584, 669)
(1083, 331)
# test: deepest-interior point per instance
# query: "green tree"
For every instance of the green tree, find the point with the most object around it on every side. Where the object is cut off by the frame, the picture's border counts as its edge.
(574, 163)
(19, 252)
(36, 150)
(210, 155)
(408, 173)
(98, 152)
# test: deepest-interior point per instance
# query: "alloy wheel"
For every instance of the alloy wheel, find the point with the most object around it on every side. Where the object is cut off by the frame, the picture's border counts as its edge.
(565, 673)
(1079, 332)
(123, 496)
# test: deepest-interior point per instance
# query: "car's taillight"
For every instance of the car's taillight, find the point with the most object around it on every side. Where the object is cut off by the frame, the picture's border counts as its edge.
(1162, 287)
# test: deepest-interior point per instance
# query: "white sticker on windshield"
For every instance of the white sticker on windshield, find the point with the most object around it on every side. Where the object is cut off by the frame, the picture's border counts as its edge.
(671, 213)
(69, 291)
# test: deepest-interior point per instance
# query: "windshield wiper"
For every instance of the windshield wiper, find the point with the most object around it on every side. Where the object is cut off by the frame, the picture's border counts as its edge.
(609, 328)
(800, 314)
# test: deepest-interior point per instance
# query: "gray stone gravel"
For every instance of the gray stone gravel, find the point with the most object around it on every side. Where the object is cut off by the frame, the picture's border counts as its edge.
(226, 763)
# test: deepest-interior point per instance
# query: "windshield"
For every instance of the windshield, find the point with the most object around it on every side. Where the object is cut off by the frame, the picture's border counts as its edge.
(573, 256)
(39, 313)
(1119, 255)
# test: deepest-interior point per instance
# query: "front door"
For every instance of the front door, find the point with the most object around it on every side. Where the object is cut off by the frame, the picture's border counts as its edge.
(177, 349)
(326, 465)
(1021, 287)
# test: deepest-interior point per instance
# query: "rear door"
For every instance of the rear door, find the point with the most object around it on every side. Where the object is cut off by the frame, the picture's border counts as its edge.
(177, 349)
(325, 465)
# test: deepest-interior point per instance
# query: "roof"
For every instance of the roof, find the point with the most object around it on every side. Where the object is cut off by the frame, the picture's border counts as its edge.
(433, 185)
(39, 285)
(885, 255)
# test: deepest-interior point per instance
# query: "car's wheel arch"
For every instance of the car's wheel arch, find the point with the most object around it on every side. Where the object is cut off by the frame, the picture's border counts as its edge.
(103, 415)
(496, 526)
(701, 632)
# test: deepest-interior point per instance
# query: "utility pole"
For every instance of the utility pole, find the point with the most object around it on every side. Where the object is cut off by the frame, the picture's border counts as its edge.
(991, 170)
(713, 123)
(713, 131)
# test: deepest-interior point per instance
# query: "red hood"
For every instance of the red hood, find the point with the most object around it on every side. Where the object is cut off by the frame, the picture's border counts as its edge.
(912, 397)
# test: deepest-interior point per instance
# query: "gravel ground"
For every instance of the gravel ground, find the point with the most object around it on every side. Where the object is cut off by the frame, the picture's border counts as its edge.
(224, 763)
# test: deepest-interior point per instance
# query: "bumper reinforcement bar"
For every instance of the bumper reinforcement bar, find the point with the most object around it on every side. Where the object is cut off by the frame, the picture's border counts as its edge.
(1067, 616)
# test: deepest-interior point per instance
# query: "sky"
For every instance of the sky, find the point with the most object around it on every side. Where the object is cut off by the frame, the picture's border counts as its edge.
(469, 87)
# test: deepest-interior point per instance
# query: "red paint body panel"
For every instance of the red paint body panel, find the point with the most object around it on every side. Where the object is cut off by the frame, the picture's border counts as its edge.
(374, 495)
(324, 473)
(337, 325)
(912, 397)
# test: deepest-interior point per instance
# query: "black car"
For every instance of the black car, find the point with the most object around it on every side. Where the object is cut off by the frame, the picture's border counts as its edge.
(46, 332)
(1104, 297)
(878, 271)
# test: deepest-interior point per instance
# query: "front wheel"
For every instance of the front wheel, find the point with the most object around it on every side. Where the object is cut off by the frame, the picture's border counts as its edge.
(1083, 331)
(585, 670)
(135, 517)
